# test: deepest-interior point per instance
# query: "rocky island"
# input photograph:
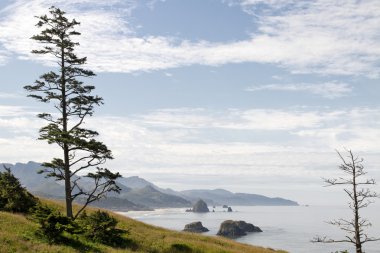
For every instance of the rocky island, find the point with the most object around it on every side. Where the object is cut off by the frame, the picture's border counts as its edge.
(195, 227)
(230, 228)
(199, 207)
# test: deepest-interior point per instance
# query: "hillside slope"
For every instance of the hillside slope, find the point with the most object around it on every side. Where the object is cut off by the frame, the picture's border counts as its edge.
(17, 235)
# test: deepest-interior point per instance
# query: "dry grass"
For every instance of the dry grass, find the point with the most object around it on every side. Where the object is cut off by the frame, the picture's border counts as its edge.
(17, 234)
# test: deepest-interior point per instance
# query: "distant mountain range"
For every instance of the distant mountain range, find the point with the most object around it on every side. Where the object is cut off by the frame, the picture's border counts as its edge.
(140, 194)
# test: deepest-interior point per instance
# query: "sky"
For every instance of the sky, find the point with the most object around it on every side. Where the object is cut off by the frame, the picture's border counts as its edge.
(247, 95)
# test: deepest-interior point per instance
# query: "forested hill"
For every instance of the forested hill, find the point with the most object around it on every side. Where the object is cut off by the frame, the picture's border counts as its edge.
(140, 194)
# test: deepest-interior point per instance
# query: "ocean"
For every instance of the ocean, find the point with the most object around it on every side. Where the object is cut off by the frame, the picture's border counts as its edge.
(289, 228)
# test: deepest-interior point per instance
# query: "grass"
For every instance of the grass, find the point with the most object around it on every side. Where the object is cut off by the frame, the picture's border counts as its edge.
(17, 234)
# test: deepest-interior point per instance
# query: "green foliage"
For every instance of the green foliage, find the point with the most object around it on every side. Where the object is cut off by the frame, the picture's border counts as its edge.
(100, 227)
(52, 223)
(179, 248)
(14, 197)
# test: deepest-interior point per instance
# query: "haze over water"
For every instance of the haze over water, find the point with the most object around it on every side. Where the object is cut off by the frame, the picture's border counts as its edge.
(284, 227)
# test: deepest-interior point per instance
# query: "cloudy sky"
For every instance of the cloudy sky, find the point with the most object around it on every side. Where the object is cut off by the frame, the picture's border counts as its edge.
(248, 95)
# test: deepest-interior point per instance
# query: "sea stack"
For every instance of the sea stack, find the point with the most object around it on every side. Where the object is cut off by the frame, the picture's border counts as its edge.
(200, 207)
(195, 227)
(234, 229)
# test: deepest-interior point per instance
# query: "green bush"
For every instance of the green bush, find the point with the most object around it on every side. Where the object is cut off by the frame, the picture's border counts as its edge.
(52, 223)
(100, 227)
(14, 197)
(179, 248)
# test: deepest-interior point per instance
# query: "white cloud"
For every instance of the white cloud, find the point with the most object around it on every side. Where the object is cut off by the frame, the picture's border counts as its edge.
(276, 77)
(268, 2)
(172, 141)
(329, 37)
(330, 90)
(302, 130)
(25, 149)
(151, 3)
(10, 95)
(96, 17)
(13, 111)
(3, 57)
(180, 134)
(252, 119)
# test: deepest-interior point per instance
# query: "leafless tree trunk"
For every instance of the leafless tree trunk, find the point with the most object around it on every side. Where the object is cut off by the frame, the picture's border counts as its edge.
(360, 197)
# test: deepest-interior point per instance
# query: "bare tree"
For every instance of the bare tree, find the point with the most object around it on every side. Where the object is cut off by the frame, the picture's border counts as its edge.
(359, 197)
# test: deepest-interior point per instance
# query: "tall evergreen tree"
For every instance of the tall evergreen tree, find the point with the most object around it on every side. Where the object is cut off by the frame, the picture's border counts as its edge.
(73, 102)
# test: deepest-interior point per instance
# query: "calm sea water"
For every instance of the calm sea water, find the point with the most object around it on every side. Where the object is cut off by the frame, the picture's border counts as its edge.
(289, 228)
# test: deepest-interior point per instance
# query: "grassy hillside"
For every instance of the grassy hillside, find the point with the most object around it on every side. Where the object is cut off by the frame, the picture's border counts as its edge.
(17, 235)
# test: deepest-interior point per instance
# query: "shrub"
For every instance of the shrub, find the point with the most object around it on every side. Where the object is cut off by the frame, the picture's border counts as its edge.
(179, 248)
(52, 223)
(100, 227)
(14, 197)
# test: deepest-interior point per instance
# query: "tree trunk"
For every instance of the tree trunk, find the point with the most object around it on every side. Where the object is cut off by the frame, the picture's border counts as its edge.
(69, 208)
(66, 159)
(358, 243)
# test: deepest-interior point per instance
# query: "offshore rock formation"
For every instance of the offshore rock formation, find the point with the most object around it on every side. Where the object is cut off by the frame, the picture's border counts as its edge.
(200, 207)
(195, 227)
(230, 228)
